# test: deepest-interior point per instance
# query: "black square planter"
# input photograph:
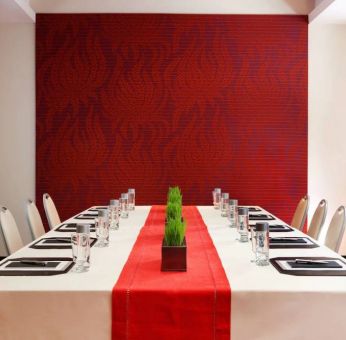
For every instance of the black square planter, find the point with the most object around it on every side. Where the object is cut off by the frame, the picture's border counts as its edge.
(173, 257)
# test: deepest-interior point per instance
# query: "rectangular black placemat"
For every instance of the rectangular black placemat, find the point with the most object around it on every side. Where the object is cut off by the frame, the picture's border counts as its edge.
(86, 216)
(277, 228)
(46, 243)
(290, 240)
(252, 209)
(41, 272)
(261, 217)
(97, 209)
(292, 243)
(306, 272)
(71, 227)
(330, 264)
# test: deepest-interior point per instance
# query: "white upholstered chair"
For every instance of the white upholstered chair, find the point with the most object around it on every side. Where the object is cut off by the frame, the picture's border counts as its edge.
(336, 230)
(318, 220)
(34, 220)
(10, 231)
(51, 212)
(300, 214)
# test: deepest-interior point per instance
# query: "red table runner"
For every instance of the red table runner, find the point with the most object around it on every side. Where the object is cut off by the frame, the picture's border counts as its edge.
(150, 304)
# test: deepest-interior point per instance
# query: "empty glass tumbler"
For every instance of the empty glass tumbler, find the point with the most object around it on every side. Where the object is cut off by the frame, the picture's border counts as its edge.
(102, 229)
(216, 198)
(224, 204)
(232, 213)
(243, 224)
(132, 199)
(81, 248)
(262, 243)
(253, 240)
(113, 214)
(124, 204)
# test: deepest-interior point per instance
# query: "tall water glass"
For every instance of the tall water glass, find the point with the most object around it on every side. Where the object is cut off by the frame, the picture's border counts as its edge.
(216, 198)
(253, 240)
(113, 214)
(224, 204)
(124, 203)
(262, 244)
(243, 224)
(102, 229)
(81, 248)
(232, 212)
(132, 199)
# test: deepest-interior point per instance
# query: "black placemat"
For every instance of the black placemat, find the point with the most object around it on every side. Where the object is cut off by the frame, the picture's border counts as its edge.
(277, 228)
(292, 240)
(252, 209)
(42, 272)
(86, 216)
(71, 227)
(98, 208)
(292, 243)
(261, 217)
(330, 264)
(306, 272)
(63, 245)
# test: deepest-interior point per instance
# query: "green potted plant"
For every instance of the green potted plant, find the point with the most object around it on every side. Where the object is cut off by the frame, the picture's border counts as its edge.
(174, 242)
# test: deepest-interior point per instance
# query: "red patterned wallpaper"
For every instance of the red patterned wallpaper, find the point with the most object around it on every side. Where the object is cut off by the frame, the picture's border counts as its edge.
(152, 100)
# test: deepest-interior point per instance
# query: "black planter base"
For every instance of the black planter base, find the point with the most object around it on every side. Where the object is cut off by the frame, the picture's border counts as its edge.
(173, 258)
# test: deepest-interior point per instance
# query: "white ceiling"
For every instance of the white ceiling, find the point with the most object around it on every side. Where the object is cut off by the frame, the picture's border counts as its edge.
(174, 6)
(16, 11)
(324, 11)
(334, 14)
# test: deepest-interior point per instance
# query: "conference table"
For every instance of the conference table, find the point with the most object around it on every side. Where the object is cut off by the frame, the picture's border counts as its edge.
(265, 304)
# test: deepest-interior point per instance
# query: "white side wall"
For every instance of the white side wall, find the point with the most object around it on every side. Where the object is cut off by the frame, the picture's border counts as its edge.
(327, 116)
(17, 124)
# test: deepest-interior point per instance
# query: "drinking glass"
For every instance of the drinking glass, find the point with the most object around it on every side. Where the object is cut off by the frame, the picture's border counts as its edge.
(243, 224)
(102, 229)
(132, 199)
(232, 212)
(262, 243)
(253, 240)
(113, 214)
(124, 203)
(81, 248)
(216, 198)
(224, 204)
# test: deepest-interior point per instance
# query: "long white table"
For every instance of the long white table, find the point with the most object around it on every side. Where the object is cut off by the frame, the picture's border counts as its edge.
(264, 303)
(73, 305)
(268, 305)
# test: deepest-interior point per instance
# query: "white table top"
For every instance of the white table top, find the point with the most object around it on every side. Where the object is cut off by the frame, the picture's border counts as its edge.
(246, 276)
(259, 294)
(268, 305)
(106, 263)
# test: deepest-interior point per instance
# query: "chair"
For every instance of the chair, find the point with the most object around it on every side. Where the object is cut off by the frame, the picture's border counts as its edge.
(300, 214)
(51, 212)
(336, 230)
(10, 231)
(34, 220)
(318, 219)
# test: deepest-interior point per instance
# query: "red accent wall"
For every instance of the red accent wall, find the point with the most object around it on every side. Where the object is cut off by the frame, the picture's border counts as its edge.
(152, 100)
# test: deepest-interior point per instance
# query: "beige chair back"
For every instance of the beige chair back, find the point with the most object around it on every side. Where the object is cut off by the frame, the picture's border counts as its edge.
(300, 214)
(34, 220)
(318, 220)
(336, 230)
(51, 212)
(10, 231)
